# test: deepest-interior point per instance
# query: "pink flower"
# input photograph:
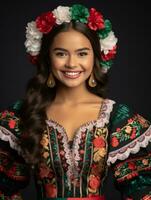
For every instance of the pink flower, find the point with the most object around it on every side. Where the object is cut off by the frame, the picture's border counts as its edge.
(99, 142)
(12, 123)
(118, 129)
(45, 22)
(95, 20)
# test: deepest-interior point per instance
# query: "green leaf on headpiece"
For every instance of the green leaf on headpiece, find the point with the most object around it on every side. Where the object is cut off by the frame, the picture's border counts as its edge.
(104, 32)
(106, 64)
(79, 13)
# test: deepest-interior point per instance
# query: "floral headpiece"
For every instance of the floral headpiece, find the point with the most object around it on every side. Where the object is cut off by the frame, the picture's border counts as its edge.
(92, 18)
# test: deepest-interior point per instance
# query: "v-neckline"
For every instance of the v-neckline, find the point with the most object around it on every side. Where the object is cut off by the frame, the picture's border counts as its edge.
(81, 126)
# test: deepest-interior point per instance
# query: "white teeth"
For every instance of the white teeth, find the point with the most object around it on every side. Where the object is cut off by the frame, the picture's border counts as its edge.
(72, 73)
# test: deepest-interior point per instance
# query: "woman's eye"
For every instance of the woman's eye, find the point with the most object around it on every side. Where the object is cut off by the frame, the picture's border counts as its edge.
(83, 54)
(60, 54)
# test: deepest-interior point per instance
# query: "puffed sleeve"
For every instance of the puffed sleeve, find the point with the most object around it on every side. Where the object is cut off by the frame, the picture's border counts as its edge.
(130, 153)
(14, 172)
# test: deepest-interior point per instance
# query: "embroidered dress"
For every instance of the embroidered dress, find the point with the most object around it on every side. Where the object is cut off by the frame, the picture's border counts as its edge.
(118, 138)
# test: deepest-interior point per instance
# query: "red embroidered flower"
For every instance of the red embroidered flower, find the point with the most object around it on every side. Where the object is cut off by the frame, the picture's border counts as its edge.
(12, 123)
(50, 190)
(45, 172)
(111, 54)
(133, 174)
(45, 22)
(94, 182)
(95, 20)
(11, 113)
(131, 165)
(146, 197)
(4, 113)
(114, 141)
(11, 172)
(133, 135)
(118, 130)
(130, 120)
(99, 142)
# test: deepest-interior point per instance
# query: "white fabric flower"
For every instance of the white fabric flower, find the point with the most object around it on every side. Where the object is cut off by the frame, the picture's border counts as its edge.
(33, 39)
(108, 43)
(62, 14)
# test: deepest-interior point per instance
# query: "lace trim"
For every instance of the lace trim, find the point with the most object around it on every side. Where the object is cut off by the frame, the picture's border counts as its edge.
(133, 147)
(106, 109)
(7, 136)
(73, 157)
(68, 155)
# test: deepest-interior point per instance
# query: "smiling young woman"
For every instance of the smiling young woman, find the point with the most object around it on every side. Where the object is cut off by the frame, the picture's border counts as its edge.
(65, 127)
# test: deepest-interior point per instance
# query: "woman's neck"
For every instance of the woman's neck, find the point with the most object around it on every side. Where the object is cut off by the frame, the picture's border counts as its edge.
(72, 95)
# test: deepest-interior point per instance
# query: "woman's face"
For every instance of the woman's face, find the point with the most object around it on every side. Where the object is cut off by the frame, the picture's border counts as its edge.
(72, 58)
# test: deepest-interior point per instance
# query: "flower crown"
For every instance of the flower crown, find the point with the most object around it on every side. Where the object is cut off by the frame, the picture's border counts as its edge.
(92, 18)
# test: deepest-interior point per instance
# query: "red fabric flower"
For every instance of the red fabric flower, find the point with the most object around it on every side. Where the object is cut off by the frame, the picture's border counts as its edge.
(33, 59)
(94, 182)
(45, 22)
(12, 123)
(110, 55)
(99, 142)
(131, 165)
(50, 190)
(114, 142)
(95, 20)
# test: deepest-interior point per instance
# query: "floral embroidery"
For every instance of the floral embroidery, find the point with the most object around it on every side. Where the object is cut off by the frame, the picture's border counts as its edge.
(94, 183)
(130, 168)
(50, 190)
(9, 120)
(45, 173)
(130, 131)
(99, 153)
(147, 196)
(14, 170)
(12, 197)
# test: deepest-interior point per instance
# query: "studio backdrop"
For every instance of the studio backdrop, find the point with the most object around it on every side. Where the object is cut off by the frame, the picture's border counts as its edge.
(129, 76)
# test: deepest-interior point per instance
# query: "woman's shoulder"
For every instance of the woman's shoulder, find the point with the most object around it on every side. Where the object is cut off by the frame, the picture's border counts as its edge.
(129, 131)
(10, 127)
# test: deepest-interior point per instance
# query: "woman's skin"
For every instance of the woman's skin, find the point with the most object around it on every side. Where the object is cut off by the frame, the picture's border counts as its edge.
(73, 105)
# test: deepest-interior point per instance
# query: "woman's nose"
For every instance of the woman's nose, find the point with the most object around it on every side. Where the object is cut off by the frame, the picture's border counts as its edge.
(71, 62)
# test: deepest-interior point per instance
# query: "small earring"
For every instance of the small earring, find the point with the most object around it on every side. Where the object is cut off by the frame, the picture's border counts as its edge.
(92, 82)
(51, 81)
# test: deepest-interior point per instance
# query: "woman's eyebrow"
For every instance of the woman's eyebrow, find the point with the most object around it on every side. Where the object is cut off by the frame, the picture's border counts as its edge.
(62, 49)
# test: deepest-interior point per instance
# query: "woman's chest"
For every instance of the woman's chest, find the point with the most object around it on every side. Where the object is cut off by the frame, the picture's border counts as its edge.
(71, 119)
(89, 148)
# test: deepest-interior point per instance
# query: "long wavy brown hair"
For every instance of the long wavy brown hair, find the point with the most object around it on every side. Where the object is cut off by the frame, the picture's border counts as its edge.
(38, 95)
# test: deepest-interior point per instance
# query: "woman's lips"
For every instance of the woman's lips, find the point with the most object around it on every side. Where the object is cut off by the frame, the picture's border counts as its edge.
(71, 74)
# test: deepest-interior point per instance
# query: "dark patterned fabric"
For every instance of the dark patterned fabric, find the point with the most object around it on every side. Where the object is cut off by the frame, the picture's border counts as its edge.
(118, 138)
